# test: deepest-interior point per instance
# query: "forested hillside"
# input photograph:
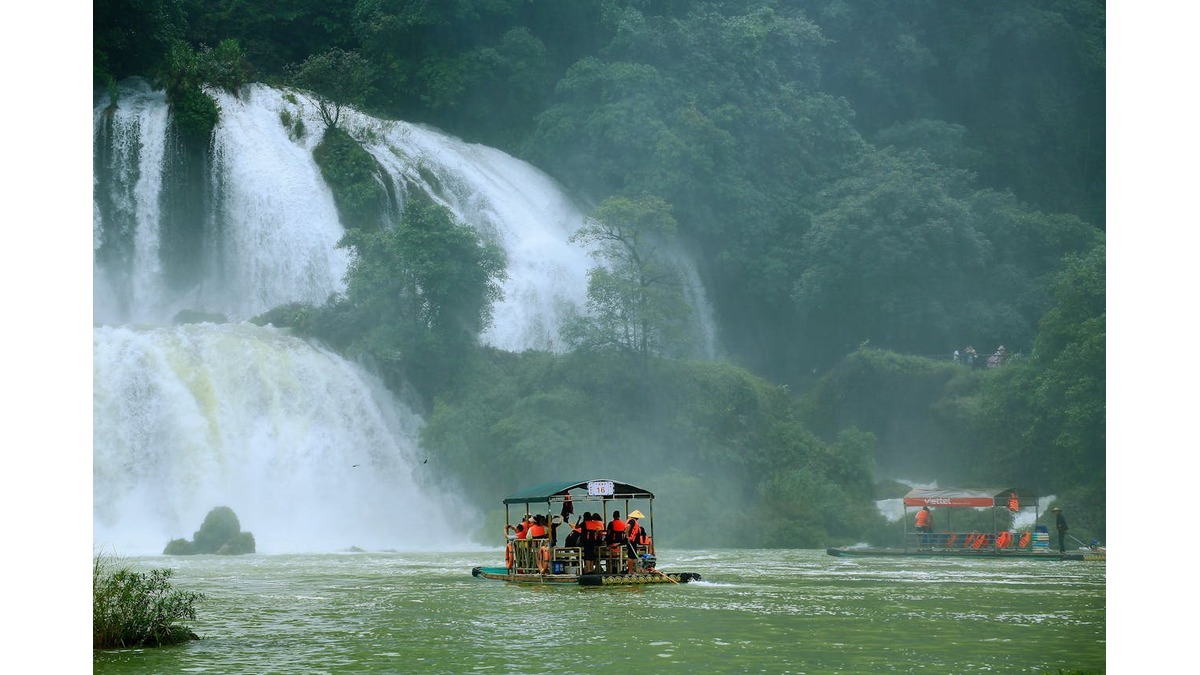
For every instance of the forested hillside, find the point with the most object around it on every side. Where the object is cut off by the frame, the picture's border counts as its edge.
(866, 187)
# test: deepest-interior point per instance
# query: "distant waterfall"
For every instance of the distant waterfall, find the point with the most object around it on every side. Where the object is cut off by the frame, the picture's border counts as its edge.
(191, 417)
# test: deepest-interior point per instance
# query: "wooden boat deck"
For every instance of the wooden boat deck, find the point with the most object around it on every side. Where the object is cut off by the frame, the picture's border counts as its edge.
(638, 579)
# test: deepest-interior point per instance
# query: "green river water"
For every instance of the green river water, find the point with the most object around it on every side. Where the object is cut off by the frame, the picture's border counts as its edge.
(756, 611)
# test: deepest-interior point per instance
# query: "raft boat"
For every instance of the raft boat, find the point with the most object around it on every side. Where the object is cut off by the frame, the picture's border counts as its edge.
(548, 561)
(998, 542)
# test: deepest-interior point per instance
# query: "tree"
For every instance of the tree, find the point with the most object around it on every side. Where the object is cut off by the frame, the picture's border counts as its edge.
(1069, 396)
(181, 73)
(337, 78)
(130, 37)
(422, 292)
(636, 302)
(895, 257)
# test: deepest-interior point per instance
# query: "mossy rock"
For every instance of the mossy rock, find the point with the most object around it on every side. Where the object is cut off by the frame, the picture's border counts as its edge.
(219, 526)
(180, 547)
(240, 544)
(220, 533)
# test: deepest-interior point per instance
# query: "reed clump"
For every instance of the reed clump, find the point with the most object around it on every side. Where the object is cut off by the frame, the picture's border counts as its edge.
(138, 609)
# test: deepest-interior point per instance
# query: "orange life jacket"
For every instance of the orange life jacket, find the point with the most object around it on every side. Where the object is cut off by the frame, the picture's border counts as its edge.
(521, 531)
(536, 531)
(593, 531)
(635, 532)
(1014, 504)
(616, 534)
(922, 518)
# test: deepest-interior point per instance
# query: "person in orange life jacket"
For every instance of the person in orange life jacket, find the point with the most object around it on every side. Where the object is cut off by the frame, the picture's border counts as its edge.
(924, 524)
(635, 536)
(521, 528)
(537, 530)
(615, 536)
(641, 538)
(593, 538)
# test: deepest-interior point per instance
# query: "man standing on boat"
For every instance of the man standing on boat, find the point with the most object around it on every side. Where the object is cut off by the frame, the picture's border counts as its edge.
(924, 524)
(1061, 524)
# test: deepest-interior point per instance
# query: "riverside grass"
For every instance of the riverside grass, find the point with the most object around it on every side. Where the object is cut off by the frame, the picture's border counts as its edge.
(138, 609)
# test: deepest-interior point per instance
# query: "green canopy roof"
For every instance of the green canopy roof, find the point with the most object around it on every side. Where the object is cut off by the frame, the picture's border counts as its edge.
(544, 491)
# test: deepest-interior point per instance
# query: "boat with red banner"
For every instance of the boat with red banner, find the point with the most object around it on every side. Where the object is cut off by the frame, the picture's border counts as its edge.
(1000, 538)
(543, 546)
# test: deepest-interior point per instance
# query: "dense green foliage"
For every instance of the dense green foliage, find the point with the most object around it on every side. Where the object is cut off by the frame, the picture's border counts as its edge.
(418, 296)
(709, 437)
(860, 182)
(354, 177)
(138, 609)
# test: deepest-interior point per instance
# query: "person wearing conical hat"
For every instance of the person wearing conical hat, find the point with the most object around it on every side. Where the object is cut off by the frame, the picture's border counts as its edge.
(635, 537)
(1060, 523)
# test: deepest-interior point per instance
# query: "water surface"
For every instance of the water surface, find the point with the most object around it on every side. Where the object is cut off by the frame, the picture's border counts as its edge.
(768, 611)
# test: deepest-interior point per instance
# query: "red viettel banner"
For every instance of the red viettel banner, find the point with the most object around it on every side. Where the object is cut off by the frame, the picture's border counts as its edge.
(949, 501)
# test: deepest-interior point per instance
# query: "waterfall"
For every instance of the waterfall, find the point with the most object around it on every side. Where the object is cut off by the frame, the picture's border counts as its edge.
(191, 417)
(138, 131)
(309, 450)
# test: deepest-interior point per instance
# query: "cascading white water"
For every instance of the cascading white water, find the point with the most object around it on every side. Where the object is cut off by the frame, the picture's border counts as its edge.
(139, 130)
(280, 227)
(506, 200)
(310, 451)
(187, 418)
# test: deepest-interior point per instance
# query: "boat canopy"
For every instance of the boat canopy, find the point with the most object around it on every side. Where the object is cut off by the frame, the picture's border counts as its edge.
(601, 487)
(967, 497)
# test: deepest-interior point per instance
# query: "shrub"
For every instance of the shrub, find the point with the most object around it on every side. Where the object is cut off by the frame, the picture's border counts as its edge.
(138, 609)
(196, 113)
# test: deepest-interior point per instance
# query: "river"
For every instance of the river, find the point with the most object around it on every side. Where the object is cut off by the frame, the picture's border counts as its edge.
(769, 611)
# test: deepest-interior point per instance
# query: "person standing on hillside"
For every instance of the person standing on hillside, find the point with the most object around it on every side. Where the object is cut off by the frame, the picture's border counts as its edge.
(1060, 523)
